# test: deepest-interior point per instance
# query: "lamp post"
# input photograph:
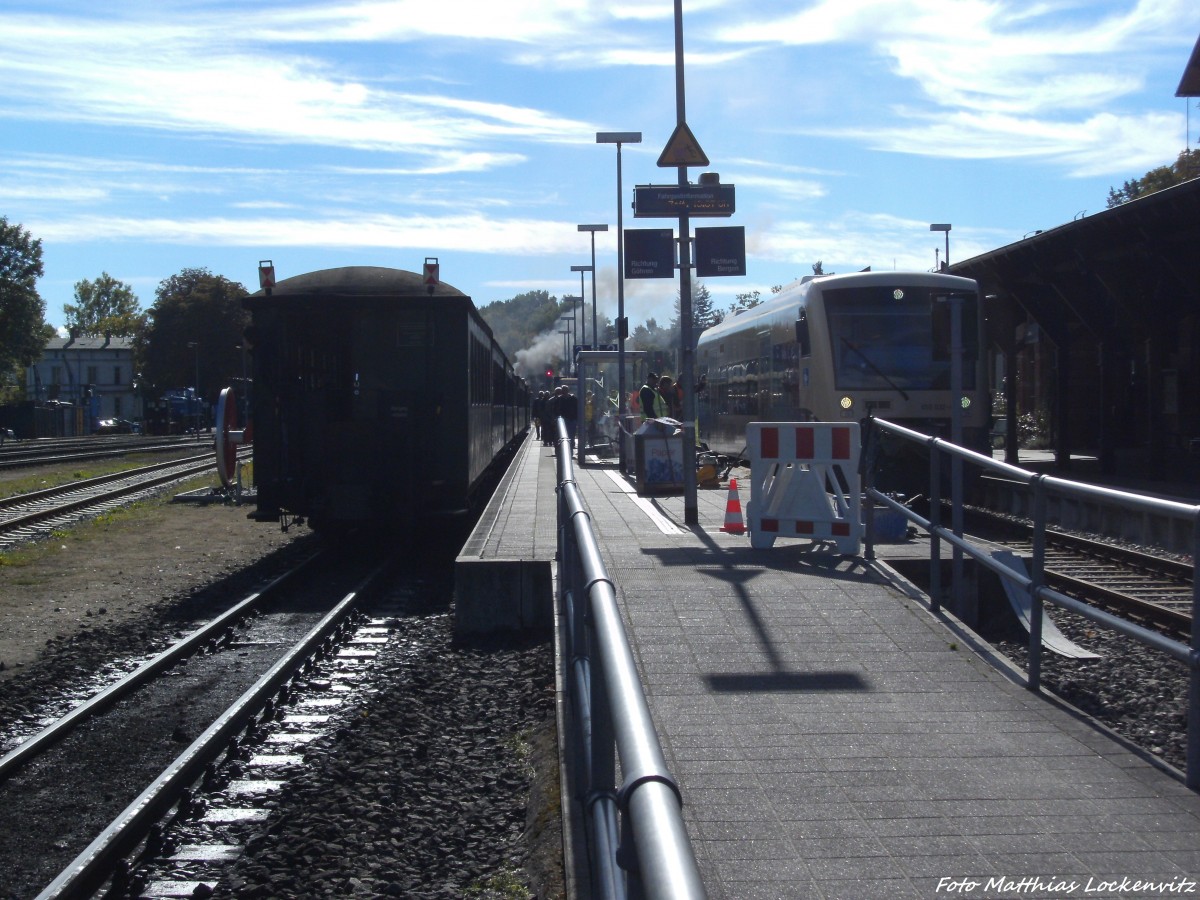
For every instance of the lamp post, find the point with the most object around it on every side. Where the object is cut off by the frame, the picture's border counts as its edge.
(944, 226)
(583, 305)
(569, 319)
(619, 138)
(195, 346)
(593, 229)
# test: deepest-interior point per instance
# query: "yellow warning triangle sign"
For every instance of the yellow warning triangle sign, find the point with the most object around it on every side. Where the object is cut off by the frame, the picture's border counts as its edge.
(682, 150)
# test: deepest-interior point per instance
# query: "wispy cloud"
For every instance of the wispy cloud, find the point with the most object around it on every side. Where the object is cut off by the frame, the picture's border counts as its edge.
(467, 233)
(1004, 80)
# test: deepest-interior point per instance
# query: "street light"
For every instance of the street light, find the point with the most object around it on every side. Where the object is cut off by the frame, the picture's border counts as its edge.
(619, 138)
(195, 345)
(593, 229)
(569, 319)
(583, 305)
(945, 226)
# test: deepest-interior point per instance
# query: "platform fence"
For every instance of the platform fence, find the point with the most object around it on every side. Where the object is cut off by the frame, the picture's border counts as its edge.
(638, 846)
(1034, 584)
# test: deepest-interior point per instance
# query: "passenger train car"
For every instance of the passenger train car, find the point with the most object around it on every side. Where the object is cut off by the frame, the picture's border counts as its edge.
(377, 400)
(841, 348)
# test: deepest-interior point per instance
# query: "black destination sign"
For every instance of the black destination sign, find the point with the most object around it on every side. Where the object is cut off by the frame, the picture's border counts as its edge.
(649, 253)
(659, 201)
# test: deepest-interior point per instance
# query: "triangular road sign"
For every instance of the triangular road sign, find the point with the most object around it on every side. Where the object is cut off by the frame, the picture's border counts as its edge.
(682, 150)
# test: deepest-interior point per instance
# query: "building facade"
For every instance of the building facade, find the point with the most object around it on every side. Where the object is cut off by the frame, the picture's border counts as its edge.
(93, 373)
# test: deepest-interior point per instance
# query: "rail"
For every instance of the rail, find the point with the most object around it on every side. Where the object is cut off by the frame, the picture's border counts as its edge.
(638, 845)
(1034, 585)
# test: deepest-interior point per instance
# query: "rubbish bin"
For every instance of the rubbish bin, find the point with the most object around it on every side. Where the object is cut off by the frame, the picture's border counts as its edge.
(658, 457)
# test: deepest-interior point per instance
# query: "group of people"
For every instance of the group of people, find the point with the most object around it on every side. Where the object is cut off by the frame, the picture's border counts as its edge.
(547, 407)
(661, 397)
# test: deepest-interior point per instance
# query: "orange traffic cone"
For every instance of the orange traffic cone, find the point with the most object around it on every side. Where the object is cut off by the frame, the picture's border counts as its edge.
(733, 511)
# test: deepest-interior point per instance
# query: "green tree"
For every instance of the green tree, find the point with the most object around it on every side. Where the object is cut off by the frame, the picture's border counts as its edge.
(1185, 168)
(23, 328)
(104, 306)
(517, 322)
(195, 325)
(751, 299)
(704, 312)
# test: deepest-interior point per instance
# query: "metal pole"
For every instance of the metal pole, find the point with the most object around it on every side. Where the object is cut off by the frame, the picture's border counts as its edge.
(595, 331)
(619, 138)
(620, 320)
(691, 514)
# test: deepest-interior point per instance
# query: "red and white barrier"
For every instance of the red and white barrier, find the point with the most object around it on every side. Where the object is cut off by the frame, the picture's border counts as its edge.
(804, 483)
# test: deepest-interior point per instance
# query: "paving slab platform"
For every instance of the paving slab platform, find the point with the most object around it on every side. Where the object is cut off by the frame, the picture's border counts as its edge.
(833, 738)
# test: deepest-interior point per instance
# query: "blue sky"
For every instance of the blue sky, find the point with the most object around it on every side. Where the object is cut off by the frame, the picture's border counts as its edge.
(141, 137)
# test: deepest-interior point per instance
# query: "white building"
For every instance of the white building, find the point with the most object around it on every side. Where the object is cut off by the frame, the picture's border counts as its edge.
(72, 366)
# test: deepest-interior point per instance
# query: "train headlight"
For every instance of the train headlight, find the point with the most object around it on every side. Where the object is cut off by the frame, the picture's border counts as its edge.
(846, 402)
(966, 402)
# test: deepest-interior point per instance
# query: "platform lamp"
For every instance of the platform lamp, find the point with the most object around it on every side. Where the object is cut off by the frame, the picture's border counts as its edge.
(944, 226)
(595, 330)
(583, 304)
(619, 138)
(568, 319)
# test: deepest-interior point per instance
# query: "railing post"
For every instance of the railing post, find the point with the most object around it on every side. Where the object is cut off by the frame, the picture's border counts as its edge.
(1037, 577)
(1192, 775)
(935, 522)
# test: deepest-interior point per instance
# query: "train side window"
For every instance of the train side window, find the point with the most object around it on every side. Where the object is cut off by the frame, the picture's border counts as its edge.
(802, 337)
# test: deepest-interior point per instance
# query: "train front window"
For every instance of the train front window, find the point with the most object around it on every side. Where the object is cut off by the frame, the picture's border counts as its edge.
(883, 342)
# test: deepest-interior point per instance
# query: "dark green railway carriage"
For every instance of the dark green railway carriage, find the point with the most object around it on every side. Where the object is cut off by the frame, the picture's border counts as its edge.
(375, 402)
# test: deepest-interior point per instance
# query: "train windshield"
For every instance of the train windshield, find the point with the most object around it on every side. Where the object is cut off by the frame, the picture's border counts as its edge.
(883, 338)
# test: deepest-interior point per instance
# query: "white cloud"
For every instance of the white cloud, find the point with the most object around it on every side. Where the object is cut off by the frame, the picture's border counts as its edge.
(1103, 144)
(467, 232)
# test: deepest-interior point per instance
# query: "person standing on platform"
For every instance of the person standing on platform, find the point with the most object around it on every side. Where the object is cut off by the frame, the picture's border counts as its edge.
(550, 418)
(664, 408)
(646, 397)
(537, 410)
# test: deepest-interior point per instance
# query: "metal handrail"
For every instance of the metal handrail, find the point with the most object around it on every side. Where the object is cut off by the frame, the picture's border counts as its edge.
(638, 844)
(1034, 585)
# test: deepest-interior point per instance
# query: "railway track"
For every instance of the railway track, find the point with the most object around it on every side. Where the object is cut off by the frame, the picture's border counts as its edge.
(1146, 587)
(83, 802)
(53, 452)
(28, 516)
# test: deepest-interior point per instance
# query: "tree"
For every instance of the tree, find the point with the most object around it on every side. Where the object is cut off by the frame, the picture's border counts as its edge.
(704, 313)
(194, 327)
(23, 328)
(1185, 168)
(516, 322)
(103, 306)
(751, 299)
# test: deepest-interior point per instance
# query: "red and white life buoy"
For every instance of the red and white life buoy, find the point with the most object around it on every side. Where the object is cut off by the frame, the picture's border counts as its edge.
(228, 437)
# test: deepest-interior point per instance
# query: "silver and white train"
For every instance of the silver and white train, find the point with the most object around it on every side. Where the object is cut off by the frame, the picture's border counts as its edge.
(841, 348)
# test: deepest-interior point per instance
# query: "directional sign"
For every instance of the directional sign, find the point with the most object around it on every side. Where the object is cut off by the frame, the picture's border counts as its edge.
(649, 253)
(682, 150)
(720, 251)
(663, 201)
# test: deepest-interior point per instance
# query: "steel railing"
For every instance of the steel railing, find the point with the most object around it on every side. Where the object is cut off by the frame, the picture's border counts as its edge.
(637, 844)
(1034, 585)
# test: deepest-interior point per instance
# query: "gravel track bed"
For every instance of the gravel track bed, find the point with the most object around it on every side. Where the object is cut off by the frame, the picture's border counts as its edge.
(1138, 692)
(430, 788)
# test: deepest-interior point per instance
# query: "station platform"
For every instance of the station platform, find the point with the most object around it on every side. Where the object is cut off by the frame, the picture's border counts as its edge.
(833, 738)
